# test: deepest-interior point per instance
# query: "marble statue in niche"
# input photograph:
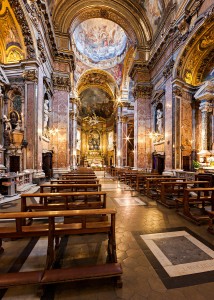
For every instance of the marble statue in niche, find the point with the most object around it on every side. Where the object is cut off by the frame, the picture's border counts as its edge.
(46, 116)
(14, 119)
(7, 131)
(159, 121)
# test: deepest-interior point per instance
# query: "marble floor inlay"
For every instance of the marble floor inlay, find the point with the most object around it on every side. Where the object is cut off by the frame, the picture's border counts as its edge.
(179, 257)
(129, 201)
(180, 253)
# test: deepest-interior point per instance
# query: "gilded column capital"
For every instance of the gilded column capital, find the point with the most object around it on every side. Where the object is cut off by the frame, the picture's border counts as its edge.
(30, 75)
(142, 91)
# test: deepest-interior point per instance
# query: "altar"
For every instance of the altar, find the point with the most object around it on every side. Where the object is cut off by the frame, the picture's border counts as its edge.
(94, 159)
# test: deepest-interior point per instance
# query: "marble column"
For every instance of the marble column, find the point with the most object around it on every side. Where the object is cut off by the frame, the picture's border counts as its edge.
(205, 108)
(125, 140)
(205, 95)
(61, 98)
(119, 137)
(31, 118)
(142, 127)
(74, 104)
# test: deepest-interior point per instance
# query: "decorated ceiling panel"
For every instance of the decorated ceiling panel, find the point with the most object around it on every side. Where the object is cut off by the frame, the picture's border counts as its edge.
(9, 36)
(99, 40)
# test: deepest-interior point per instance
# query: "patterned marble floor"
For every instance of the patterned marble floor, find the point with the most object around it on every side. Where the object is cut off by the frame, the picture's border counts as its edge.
(163, 255)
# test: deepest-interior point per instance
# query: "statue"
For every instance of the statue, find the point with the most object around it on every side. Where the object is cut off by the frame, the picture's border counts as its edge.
(159, 121)
(46, 115)
(7, 131)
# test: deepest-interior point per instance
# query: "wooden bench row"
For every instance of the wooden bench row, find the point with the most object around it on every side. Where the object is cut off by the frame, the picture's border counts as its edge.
(57, 187)
(63, 201)
(53, 229)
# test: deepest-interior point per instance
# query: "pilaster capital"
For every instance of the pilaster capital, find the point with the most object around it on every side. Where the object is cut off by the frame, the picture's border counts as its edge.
(140, 72)
(75, 101)
(167, 71)
(30, 75)
(142, 91)
(72, 115)
(124, 119)
(205, 106)
(61, 83)
(177, 91)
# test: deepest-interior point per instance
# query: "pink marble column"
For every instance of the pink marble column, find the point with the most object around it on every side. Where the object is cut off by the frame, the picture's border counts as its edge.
(142, 127)
(125, 140)
(61, 121)
(73, 131)
(119, 137)
(169, 143)
(30, 117)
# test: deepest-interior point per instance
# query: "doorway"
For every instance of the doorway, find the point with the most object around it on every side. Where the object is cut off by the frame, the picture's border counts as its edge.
(47, 164)
(15, 164)
(158, 162)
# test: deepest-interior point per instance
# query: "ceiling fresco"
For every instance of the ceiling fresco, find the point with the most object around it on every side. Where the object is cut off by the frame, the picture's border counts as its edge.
(154, 10)
(96, 101)
(100, 39)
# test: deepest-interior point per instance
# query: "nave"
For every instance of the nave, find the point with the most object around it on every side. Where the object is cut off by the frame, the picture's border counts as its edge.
(138, 218)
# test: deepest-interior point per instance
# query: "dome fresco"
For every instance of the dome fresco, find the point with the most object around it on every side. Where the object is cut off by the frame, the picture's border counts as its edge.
(100, 39)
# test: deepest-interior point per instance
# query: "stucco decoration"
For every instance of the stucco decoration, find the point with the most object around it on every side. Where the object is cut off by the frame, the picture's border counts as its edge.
(10, 40)
(116, 71)
(96, 101)
(98, 40)
(198, 55)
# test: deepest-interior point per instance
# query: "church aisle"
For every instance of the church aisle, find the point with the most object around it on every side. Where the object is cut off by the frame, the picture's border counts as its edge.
(150, 239)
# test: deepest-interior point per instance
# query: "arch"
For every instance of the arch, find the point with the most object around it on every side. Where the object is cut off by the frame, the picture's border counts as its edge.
(192, 62)
(68, 15)
(25, 30)
(99, 79)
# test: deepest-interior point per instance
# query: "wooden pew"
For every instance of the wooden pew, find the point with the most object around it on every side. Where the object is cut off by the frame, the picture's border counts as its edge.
(211, 218)
(194, 202)
(153, 185)
(141, 181)
(54, 230)
(174, 190)
(64, 201)
(51, 187)
(71, 176)
(75, 181)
